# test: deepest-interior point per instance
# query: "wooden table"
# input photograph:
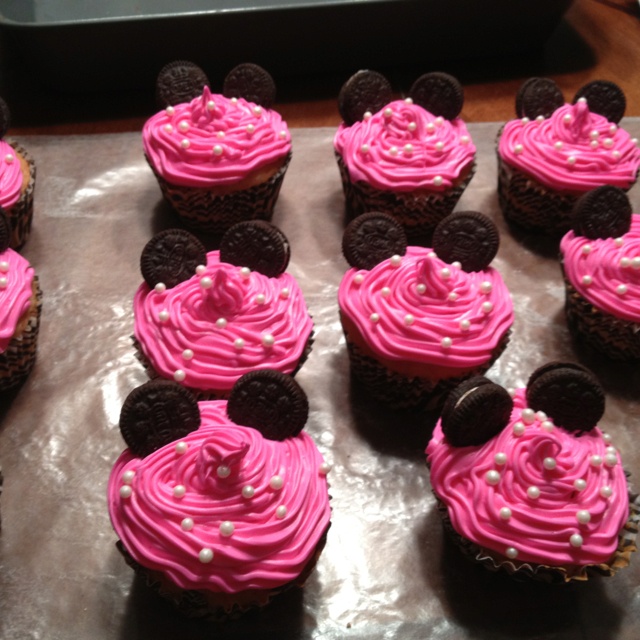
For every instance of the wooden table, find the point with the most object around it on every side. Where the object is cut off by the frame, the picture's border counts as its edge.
(598, 39)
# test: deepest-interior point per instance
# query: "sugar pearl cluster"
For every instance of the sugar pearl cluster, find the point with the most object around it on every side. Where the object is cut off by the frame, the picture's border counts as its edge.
(4, 269)
(626, 259)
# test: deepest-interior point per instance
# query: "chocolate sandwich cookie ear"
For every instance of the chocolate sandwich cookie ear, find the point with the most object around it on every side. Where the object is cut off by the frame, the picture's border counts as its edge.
(171, 257)
(604, 212)
(364, 91)
(5, 118)
(475, 411)
(371, 238)
(569, 394)
(439, 94)
(604, 97)
(538, 97)
(251, 82)
(468, 237)
(157, 413)
(179, 81)
(258, 245)
(269, 401)
(5, 231)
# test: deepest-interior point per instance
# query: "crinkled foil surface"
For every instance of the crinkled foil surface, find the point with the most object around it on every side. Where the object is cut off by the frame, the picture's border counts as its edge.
(387, 571)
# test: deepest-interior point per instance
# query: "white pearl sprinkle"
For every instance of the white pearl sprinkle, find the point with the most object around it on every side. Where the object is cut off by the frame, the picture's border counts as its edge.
(234, 100)
(524, 120)
(187, 354)
(250, 128)
(223, 471)
(181, 448)
(618, 242)
(505, 513)
(549, 464)
(431, 127)
(126, 491)
(511, 553)
(457, 264)
(518, 149)
(276, 482)
(486, 287)
(439, 146)
(465, 325)
(541, 416)
(283, 135)
(393, 151)
(245, 273)
(324, 468)
(179, 490)
(408, 149)
(606, 492)
(169, 110)
(487, 307)
(395, 260)
(580, 484)
(260, 298)
(248, 491)
(217, 150)
(616, 154)
(211, 105)
(179, 375)
(160, 287)
(163, 316)
(364, 149)
(583, 516)
(268, 340)
(184, 143)
(281, 512)
(4, 266)
(437, 181)
(571, 160)
(238, 343)
(168, 128)
(558, 145)
(206, 282)
(594, 134)
(500, 458)
(576, 540)
(533, 492)
(492, 477)
(540, 118)
(257, 110)
(221, 323)
(412, 126)
(465, 139)
(606, 437)
(409, 319)
(587, 280)
(566, 118)
(439, 121)
(446, 343)
(547, 425)
(205, 556)
(388, 112)
(608, 143)
(518, 429)
(625, 263)
(595, 461)
(284, 294)
(226, 528)
(186, 524)
(385, 292)
(612, 129)
(127, 476)
(183, 126)
(408, 100)
(528, 416)
(586, 250)
(358, 278)
(453, 296)
(609, 449)
(621, 289)
(367, 115)
(4, 282)
(421, 288)
(611, 459)
(374, 317)
(200, 269)
(445, 273)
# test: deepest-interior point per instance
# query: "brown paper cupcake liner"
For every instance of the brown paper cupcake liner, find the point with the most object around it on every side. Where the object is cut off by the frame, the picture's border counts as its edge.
(199, 603)
(21, 213)
(627, 544)
(205, 210)
(1, 483)
(404, 392)
(418, 212)
(17, 361)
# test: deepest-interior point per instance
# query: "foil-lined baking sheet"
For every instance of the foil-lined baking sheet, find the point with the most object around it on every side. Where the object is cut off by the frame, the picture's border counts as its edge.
(387, 571)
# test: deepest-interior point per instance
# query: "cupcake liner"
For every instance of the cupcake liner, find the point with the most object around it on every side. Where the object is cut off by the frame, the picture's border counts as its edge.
(1, 483)
(627, 544)
(206, 210)
(419, 212)
(403, 392)
(17, 361)
(21, 213)
(616, 338)
(199, 603)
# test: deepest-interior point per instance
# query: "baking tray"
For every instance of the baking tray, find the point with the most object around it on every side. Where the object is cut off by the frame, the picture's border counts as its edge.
(98, 46)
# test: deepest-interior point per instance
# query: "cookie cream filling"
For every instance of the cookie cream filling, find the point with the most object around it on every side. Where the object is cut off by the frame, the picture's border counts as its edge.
(16, 278)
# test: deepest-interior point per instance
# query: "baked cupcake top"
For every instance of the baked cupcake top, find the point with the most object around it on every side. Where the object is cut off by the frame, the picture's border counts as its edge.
(402, 145)
(214, 139)
(16, 278)
(436, 306)
(229, 311)
(603, 263)
(216, 505)
(541, 492)
(570, 147)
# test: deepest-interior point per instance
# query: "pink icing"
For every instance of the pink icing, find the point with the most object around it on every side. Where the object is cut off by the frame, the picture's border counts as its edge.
(228, 327)
(404, 147)
(606, 271)
(539, 529)
(213, 140)
(10, 175)
(417, 306)
(266, 548)
(573, 150)
(16, 277)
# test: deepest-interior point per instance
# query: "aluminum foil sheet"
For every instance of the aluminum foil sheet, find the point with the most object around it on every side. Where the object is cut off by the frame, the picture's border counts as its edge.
(388, 571)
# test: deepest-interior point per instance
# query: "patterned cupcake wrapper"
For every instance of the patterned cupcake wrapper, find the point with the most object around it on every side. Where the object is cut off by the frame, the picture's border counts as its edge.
(21, 213)
(627, 544)
(418, 212)
(203, 210)
(17, 361)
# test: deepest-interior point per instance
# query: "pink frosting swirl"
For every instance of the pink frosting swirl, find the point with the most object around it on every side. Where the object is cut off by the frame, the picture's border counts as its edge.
(215, 334)
(224, 509)
(606, 271)
(403, 147)
(16, 278)
(214, 140)
(556, 500)
(10, 175)
(573, 150)
(421, 309)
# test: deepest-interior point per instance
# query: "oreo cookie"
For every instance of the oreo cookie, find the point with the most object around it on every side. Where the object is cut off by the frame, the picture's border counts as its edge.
(438, 93)
(552, 366)
(157, 413)
(538, 97)
(475, 411)
(269, 401)
(364, 91)
(604, 212)
(258, 245)
(604, 97)
(570, 395)
(5, 231)
(179, 81)
(171, 257)
(5, 118)
(468, 237)
(251, 82)
(371, 238)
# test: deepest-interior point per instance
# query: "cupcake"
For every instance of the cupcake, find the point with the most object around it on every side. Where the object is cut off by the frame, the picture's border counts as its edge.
(219, 159)
(555, 152)
(17, 183)
(601, 267)
(204, 319)
(20, 304)
(220, 505)
(549, 494)
(409, 158)
(417, 321)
